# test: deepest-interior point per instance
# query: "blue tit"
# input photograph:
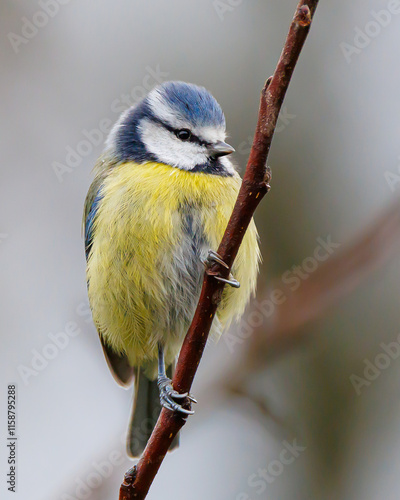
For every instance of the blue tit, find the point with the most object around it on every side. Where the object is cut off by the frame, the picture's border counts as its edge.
(163, 192)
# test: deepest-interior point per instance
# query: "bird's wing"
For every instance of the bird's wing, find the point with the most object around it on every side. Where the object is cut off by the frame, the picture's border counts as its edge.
(91, 207)
(118, 363)
(103, 165)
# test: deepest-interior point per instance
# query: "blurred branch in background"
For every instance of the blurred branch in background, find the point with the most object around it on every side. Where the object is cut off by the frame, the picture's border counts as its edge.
(330, 166)
(335, 278)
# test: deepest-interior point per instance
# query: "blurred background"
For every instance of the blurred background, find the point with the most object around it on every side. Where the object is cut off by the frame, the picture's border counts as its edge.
(301, 400)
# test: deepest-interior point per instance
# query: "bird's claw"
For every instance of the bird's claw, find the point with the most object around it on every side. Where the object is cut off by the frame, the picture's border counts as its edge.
(231, 281)
(168, 395)
(191, 398)
(214, 257)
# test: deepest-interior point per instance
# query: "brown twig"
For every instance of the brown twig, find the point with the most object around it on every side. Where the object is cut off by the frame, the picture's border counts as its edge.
(254, 187)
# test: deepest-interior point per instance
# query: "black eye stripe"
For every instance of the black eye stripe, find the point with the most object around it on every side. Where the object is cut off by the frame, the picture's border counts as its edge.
(193, 137)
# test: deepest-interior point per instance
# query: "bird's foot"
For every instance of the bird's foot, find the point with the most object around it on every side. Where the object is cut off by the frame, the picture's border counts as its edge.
(214, 257)
(168, 396)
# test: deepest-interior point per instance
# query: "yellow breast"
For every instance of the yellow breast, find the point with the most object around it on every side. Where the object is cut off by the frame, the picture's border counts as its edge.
(154, 225)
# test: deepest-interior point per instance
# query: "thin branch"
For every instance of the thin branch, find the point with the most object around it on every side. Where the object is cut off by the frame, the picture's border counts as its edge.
(254, 186)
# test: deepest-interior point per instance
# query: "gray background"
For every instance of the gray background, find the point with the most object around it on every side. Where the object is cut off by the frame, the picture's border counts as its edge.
(329, 161)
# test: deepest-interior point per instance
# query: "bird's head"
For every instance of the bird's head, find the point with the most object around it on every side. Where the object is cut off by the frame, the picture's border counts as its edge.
(177, 123)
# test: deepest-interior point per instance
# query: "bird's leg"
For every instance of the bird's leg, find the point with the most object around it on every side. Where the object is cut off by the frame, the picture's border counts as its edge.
(167, 393)
(214, 257)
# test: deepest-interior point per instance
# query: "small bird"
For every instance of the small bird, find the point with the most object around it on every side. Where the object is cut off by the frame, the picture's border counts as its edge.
(163, 192)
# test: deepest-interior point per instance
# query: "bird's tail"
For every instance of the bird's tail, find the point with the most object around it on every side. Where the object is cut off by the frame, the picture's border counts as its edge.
(145, 412)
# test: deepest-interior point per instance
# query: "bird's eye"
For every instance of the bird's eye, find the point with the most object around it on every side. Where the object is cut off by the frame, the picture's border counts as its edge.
(184, 134)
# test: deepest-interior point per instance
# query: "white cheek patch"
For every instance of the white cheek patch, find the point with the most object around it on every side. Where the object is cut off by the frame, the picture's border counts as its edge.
(168, 149)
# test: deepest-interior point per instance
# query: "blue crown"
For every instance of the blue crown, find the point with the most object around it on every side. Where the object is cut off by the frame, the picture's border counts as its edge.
(193, 103)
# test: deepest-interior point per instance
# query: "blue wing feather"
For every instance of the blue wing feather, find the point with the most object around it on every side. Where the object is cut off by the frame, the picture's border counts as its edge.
(89, 223)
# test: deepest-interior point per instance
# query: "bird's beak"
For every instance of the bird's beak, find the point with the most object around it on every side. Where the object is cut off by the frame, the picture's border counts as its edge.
(220, 148)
